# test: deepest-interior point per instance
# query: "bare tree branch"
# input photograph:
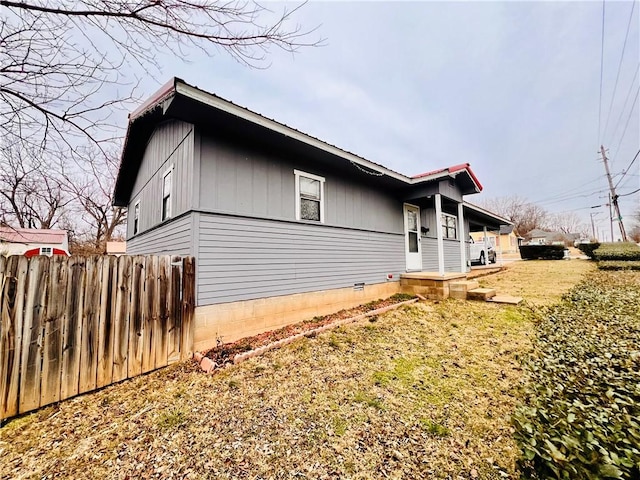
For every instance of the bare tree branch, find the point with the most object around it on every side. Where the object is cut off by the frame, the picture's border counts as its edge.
(60, 60)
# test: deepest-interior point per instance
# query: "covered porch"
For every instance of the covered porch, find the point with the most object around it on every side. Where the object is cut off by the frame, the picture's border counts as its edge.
(442, 248)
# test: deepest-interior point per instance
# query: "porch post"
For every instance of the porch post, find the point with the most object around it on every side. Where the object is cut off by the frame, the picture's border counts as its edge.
(440, 241)
(463, 239)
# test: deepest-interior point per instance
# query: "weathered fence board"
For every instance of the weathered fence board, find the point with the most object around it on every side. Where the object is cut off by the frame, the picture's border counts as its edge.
(121, 333)
(12, 295)
(136, 321)
(71, 325)
(52, 348)
(106, 331)
(73, 329)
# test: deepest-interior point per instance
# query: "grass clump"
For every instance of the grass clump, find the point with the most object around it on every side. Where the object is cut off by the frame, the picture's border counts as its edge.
(435, 428)
(582, 400)
(171, 418)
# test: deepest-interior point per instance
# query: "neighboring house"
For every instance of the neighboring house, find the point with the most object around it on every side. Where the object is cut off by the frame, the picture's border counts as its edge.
(283, 226)
(116, 248)
(504, 240)
(543, 237)
(33, 241)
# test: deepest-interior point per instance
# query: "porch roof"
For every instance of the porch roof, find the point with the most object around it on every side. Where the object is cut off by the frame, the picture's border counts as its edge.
(479, 218)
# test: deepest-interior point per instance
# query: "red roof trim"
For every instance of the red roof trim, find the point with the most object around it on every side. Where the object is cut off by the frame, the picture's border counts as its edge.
(157, 97)
(453, 169)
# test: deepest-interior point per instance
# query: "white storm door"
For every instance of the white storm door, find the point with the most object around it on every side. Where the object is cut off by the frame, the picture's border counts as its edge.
(412, 237)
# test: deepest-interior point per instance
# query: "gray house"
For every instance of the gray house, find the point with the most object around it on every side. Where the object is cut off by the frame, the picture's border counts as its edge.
(283, 225)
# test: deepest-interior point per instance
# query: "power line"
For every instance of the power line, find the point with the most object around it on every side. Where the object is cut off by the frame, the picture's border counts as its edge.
(624, 132)
(601, 71)
(626, 100)
(573, 196)
(624, 45)
(565, 192)
(624, 172)
(630, 193)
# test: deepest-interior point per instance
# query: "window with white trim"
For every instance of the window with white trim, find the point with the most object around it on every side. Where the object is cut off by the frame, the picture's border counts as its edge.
(48, 251)
(136, 217)
(166, 193)
(449, 226)
(309, 197)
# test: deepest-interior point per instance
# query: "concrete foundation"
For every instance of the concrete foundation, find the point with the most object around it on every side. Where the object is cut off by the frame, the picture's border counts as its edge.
(229, 322)
(431, 285)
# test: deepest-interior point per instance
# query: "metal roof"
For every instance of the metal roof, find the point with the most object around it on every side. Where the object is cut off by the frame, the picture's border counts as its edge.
(32, 235)
(177, 97)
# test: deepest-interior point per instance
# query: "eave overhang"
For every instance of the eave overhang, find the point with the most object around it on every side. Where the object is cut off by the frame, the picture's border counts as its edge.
(178, 100)
(480, 217)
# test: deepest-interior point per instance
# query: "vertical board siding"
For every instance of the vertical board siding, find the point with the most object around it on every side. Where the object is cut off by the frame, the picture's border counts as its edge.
(243, 258)
(72, 325)
(172, 143)
(240, 180)
(171, 238)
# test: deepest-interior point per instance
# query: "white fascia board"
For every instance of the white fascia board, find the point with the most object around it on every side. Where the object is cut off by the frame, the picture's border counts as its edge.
(241, 112)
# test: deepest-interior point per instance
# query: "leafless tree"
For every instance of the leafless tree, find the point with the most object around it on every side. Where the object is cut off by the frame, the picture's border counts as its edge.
(525, 215)
(64, 64)
(91, 185)
(31, 190)
(568, 222)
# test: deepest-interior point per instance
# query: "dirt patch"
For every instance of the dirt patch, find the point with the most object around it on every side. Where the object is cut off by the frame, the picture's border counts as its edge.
(224, 354)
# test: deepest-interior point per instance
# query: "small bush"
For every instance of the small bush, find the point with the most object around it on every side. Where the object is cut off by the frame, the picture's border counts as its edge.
(588, 248)
(582, 409)
(544, 252)
(622, 251)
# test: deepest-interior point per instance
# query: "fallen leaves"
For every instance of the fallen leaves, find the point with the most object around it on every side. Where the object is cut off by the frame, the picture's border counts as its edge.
(369, 400)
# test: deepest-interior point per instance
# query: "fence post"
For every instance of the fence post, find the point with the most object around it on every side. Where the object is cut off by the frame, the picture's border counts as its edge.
(188, 306)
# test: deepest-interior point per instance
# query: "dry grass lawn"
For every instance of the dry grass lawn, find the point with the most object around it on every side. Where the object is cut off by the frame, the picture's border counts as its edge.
(539, 282)
(422, 392)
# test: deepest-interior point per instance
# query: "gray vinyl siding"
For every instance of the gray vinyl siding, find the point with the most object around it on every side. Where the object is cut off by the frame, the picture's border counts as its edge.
(171, 144)
(242, 258)
(429, 248)
(241, 181)
(170, 238)
(451, 255)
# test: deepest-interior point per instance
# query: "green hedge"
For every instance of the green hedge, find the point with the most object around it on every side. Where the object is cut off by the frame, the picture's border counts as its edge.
(545, 252)
(619, 265)
(581, 414)
(588, 248)
(624, 251)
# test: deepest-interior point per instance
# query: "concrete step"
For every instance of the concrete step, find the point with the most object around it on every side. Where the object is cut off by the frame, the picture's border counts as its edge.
(508, 299)
(481, 294)
(459, 289)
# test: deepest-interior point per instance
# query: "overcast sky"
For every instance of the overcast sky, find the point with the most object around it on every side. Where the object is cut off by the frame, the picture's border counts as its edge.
(513, 88)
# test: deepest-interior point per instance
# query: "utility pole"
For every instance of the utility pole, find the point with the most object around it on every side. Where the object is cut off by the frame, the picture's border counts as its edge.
(613, 197)
(593, 226)
(610, 216)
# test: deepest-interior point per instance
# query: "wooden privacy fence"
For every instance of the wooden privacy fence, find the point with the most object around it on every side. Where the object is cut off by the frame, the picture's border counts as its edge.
(72, 325)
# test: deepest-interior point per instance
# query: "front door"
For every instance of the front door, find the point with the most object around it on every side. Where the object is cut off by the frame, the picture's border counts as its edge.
(412, 237)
